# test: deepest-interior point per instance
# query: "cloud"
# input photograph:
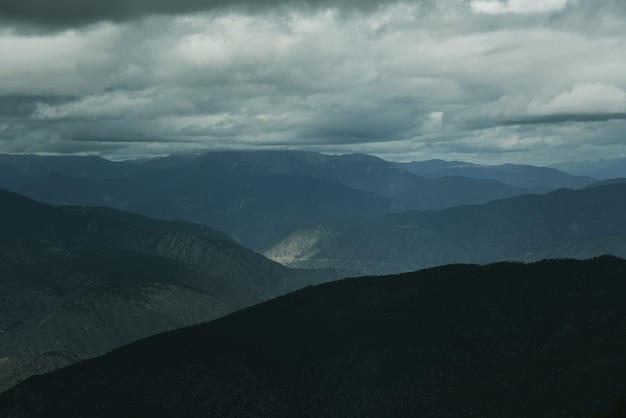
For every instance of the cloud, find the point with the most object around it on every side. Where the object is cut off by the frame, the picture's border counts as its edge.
(75, 13)
(517, 6)
(424, 78)
(69, 62)
(583, 99)
(22, 106)
(108, 105)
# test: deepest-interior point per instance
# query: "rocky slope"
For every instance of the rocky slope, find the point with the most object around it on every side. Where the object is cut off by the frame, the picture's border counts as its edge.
(504, 340)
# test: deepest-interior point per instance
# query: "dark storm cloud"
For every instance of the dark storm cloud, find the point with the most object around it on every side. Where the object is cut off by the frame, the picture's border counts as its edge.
(69, 13)
(361, 123)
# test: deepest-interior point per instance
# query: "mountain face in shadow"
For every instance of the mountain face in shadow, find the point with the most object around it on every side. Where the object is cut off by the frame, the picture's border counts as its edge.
(503, 340)
(83, 281)
(255, 197)
(560, 224)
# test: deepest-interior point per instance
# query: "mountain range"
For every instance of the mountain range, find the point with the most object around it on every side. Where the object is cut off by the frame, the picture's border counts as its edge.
(256, 197)
(503, 340)
(603, 169)
(80, 277)
(561, 224)
(513, 174)
(79, 281)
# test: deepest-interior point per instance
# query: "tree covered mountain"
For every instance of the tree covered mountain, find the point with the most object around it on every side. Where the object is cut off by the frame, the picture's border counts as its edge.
(503, 340)
(563, 223)
(86, 280)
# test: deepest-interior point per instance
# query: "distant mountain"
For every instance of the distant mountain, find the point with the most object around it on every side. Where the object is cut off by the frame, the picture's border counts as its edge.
(16, 170)
(513, 174)
(601, 169)
(563, 223)
(372, 174)
(256, 206)
(255, 197)
(608, 182)
(504, 340)
(87, 280)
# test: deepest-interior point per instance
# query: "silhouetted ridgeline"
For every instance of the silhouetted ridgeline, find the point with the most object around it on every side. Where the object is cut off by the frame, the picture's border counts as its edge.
(503, 340)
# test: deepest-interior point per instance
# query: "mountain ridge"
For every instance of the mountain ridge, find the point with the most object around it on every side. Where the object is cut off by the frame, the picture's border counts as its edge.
(525, 228)
(520, 175)
(86, 280)
(505, 339)
(254, 196)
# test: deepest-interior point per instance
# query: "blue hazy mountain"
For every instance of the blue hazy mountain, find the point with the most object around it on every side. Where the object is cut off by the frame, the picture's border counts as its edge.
(513, 174)
(600, 169)
(16, 170)
(561, 224)
(255, 197)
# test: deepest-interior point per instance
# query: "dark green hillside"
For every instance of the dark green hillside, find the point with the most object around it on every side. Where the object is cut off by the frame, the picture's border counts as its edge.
(87, 280)
(503, 340)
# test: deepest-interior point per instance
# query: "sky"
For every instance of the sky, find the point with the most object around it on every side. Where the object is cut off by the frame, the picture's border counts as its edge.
(485, 81)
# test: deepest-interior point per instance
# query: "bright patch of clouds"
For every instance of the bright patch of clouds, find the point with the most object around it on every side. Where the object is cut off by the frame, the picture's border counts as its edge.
(196, 122)
(583, 99)
(101, 106)
(433, 123)
(64, 63)
(517, 6)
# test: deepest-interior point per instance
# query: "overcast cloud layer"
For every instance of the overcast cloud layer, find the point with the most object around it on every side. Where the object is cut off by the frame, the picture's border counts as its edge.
(532, 81)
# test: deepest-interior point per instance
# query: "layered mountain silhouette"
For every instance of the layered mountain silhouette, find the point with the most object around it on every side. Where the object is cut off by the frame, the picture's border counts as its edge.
(601, 169)
(503, 340)
(82, 281)
(254, 197)
(561, 224)
(17, 170)
(513, 174)
(79, 279)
